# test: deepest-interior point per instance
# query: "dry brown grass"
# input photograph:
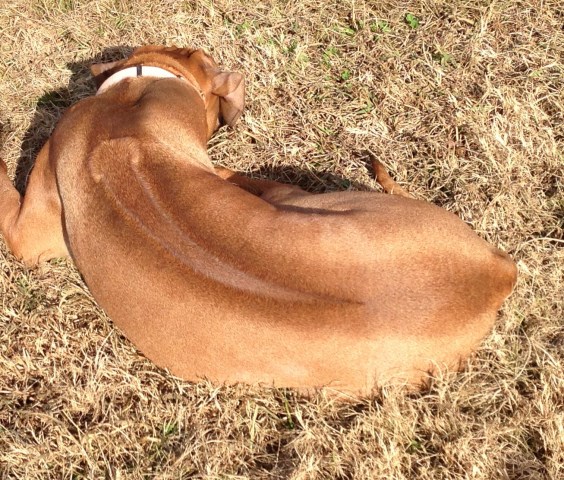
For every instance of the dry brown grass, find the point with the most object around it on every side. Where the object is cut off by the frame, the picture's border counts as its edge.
(465, 110)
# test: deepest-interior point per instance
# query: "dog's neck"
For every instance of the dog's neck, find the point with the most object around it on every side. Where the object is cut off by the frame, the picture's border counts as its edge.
(145, 71)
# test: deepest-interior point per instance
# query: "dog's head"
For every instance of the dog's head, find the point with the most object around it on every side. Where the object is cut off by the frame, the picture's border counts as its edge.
(223, 92)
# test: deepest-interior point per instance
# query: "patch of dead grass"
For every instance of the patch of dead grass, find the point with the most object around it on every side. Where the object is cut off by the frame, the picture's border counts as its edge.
(465, 110)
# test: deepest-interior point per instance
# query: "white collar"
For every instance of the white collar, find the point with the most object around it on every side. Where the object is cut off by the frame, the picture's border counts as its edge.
(138, 71)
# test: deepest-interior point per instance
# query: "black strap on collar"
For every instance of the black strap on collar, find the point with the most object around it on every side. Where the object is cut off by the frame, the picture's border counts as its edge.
(139, 70)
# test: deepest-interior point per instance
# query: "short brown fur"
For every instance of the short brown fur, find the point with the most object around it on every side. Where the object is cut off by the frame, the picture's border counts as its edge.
(213, 274)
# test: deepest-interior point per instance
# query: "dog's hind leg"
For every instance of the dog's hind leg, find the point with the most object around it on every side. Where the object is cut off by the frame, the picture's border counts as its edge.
(32, 224)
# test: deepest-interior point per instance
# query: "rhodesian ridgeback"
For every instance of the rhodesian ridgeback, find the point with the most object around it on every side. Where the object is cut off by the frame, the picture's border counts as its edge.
(215, 275)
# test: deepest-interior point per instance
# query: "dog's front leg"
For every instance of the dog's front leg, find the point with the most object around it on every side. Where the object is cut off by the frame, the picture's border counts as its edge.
(269, 190)
(32, 225)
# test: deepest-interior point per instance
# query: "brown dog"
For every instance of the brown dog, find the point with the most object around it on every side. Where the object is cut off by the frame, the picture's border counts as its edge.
(264, 283)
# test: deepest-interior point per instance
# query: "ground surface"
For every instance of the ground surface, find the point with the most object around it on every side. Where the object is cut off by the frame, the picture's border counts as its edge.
(464, 105)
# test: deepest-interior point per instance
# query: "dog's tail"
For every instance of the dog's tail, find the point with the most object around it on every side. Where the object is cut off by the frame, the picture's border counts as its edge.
(383, 178)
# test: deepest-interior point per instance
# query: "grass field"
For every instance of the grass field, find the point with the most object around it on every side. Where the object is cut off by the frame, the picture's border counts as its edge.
(461, 100)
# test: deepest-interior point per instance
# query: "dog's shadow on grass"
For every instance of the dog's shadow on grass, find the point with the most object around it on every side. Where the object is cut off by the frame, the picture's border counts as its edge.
(51, 106)
(310, 181)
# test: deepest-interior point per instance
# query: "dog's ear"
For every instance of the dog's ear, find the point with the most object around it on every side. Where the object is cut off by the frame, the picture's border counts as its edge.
(101, 71)
(230, 88)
